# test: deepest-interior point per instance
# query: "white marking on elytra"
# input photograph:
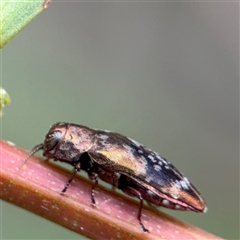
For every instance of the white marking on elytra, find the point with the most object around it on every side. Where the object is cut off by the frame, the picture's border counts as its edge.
(135, 142)
(205, 210)
(160, 163)
(148, 179)
(107, 131)
(103, 136)
(186, 180)
(184, 183)
(152, 158)
(161, 158)
(157, 167)
(175, 196)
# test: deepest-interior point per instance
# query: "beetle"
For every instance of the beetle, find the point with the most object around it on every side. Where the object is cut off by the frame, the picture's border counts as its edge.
(122, 162)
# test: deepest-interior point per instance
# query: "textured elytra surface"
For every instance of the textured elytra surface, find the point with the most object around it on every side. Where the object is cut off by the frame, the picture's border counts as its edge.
(166, 185)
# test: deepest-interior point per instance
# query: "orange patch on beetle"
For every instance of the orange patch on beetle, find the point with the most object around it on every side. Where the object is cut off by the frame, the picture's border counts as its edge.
(123, 160)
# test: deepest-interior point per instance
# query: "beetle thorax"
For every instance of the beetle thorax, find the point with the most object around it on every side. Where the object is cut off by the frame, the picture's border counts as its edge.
(80, 138)
(74, 141)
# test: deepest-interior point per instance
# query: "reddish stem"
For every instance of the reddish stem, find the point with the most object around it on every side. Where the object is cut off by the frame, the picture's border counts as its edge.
(37, 186)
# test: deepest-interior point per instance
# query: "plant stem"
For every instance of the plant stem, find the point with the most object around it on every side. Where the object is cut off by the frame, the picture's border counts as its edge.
(37, 186)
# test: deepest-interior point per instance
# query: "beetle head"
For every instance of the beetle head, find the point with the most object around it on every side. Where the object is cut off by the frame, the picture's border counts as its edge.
(52, 138)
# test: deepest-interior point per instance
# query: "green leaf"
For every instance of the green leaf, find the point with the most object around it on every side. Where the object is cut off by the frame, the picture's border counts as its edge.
(15, 15)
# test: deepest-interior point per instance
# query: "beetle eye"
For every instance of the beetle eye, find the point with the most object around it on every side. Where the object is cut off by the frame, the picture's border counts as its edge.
(52, 140)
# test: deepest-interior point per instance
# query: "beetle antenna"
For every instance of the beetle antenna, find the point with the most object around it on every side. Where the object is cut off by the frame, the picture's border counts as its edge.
(34, 150)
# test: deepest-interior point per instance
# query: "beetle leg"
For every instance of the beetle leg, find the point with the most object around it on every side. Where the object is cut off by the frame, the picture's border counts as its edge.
(134, 193)
(76, 169)
(93, 176)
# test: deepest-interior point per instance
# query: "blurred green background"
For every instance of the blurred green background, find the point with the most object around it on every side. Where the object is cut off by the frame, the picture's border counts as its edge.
(165, 74)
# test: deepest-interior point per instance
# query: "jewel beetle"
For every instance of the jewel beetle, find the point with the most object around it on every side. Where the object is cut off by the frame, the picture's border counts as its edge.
(122, 162)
